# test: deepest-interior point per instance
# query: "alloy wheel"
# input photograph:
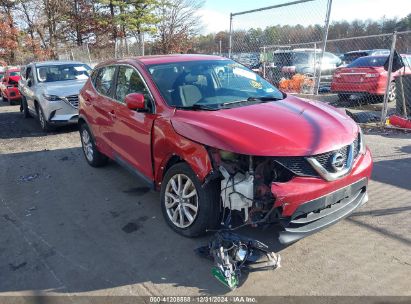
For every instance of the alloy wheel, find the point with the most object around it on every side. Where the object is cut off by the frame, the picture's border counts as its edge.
(181, 201)
(392, 94)
(87, 145)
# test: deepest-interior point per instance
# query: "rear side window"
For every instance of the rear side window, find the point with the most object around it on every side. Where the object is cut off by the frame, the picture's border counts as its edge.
(104, 80)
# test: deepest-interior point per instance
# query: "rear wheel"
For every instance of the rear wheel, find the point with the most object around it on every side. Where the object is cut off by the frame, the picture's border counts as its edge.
(392, 92)
(94, 157)
(189, 208)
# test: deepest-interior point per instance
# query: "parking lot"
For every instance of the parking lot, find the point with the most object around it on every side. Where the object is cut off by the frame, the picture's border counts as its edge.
(67, 228)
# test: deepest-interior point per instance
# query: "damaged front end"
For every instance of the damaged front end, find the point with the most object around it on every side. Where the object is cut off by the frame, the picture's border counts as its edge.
(246, 187)
(304, 194)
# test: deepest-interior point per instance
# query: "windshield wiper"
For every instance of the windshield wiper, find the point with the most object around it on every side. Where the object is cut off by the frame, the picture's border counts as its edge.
(267, 98)
(251, 99)
(195, 107)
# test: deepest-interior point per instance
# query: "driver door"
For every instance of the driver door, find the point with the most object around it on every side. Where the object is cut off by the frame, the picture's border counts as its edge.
(131, 136)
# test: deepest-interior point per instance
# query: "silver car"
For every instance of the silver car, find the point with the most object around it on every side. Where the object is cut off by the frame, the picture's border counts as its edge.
(50, 91)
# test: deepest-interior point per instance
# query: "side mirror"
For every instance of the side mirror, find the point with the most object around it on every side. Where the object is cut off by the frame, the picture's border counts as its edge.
(135, 101)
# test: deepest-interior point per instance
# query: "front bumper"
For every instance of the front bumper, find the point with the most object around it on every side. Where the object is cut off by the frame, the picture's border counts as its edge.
(320, 202)
(318, 214)
(60, 112)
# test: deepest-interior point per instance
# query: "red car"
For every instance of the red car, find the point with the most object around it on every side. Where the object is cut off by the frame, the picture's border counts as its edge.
(9, 86)
(226, 148)
(366, 76)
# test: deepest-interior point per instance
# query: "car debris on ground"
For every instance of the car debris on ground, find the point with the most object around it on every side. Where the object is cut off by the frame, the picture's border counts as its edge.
(234, 254)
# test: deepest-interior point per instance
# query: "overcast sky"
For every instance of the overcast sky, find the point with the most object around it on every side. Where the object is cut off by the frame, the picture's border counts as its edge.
(215, 13)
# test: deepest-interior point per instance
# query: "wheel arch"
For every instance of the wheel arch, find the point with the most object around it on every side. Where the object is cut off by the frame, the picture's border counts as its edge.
(170, 148)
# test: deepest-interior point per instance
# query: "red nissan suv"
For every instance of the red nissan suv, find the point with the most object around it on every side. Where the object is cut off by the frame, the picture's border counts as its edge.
(224, 147)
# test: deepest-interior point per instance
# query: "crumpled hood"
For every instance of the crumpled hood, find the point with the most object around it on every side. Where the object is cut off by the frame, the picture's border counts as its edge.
(63, 88)
(15, 78)
(291, 127)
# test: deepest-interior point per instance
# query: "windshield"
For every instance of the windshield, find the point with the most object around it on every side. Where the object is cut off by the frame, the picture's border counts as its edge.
(211, 84)
(368, 62)
(63, 72)
(15, 73)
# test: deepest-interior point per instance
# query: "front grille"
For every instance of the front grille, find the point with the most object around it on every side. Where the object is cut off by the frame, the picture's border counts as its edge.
(73, 100)
(300, 166)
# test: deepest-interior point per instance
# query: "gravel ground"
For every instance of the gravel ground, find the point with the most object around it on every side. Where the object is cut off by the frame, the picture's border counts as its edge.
(62, 229)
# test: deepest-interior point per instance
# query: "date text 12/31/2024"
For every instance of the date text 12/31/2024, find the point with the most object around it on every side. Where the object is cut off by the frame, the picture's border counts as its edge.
(215, 299)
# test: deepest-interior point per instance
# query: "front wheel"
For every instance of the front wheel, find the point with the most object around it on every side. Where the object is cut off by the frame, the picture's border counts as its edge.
(188, 207)
(45, 126)
(94, 157)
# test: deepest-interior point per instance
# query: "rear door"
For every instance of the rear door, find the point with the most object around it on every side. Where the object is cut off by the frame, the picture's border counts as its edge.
(100, 107)
(131, 136)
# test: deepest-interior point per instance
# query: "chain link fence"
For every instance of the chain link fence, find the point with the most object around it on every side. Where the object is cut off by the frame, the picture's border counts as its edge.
(288, 44)
(93, 54)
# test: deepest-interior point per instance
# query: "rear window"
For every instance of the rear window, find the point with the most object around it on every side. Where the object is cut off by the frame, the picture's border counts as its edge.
(368, 62)
(348, 58)
(291, 58)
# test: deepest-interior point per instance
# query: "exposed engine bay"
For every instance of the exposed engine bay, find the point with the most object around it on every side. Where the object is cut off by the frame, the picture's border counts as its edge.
(246, 186)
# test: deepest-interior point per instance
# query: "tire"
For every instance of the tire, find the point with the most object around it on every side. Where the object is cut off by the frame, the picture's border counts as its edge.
(205, 203)
(45, 126)
(93, 157)
(392, 93)
(26, 112)
(4, 99)
(343, 97)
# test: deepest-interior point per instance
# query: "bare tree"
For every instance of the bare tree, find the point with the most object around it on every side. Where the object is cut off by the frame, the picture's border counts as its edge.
(179, 22)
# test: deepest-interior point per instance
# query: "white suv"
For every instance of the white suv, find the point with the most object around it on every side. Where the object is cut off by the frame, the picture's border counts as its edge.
(50, 91)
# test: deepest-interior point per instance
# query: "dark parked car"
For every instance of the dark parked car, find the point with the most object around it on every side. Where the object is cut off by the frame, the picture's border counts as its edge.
(286, 63)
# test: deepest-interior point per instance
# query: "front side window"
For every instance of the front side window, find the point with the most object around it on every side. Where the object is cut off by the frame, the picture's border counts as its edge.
(104, 80)
(63, 72)
(129, 81)
(213, 84)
